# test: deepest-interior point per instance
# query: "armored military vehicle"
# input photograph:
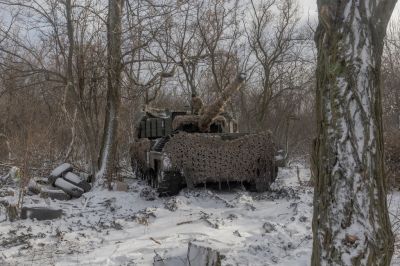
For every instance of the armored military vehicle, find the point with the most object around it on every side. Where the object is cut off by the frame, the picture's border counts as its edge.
(177, 148)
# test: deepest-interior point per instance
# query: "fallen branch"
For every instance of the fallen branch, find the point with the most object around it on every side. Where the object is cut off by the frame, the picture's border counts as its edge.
(6, 164)
(227, 204)
(185, 222)
(156, 241)
(205, 216)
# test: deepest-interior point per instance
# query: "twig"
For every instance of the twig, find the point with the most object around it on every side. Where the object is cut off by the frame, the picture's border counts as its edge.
(228, 204)
(86, 202)
(185, 222)
(156, 241)
(298, 175)
(6, 164)
(204, 216)
(301, 242)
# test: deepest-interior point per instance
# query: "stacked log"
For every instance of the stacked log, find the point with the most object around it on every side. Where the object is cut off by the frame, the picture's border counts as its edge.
(40, 213)
(69, 188)
(69, 184)
(59, 172)
(77, 181)
(57, 194)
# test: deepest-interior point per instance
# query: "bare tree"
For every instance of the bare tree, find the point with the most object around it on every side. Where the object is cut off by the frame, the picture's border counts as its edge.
(273, 41)
(114, 69)
(391, 77)
(351, 223)
(65, 55)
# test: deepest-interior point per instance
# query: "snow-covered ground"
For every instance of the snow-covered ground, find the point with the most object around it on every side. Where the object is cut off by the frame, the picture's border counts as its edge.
(125, 228)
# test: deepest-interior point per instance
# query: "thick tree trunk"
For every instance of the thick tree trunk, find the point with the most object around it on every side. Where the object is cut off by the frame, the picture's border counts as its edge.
(351, 223)
(109, 143)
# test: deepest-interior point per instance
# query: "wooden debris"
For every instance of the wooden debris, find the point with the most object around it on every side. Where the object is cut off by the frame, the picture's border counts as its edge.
(69, 188)
(59, 171)
(200, 255)
(156, 241)
(57, 194)
(40, 213)
(77, 181)
(185, 222)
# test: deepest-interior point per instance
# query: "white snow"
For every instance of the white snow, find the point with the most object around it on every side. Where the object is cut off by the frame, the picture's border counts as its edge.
(121, 228)
(73, 178)
(117, 228)
(61, 169)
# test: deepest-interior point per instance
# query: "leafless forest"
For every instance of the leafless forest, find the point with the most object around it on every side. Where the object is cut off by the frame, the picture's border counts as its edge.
(54, 72)
(75, 76)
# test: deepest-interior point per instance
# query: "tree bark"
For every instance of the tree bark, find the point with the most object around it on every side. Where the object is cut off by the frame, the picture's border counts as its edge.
(351, 224)
(114, 39)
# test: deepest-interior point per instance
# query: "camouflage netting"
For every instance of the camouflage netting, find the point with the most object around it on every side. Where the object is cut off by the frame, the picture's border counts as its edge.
(138, 151)
(220, 120)
(217, 158)
(181, 120)
(184, 120)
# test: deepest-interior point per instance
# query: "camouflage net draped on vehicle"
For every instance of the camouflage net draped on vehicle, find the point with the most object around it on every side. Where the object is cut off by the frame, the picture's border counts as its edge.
(220, 157)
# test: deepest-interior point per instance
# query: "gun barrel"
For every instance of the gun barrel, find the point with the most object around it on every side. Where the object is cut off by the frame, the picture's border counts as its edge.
(216, 108)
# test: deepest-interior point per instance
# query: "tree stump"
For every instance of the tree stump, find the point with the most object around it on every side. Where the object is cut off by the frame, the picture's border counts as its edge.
(199, 255)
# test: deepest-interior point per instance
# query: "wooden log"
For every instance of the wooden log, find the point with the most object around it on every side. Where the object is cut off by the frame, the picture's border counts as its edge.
(77, 181)
(40, 213)
(59, 171)
(57, 194)
(84, 176)
(69, 188)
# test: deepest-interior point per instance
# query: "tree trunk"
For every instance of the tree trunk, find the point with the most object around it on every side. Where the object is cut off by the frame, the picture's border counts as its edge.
(109, 143)
(351, 223)
(73, 104)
